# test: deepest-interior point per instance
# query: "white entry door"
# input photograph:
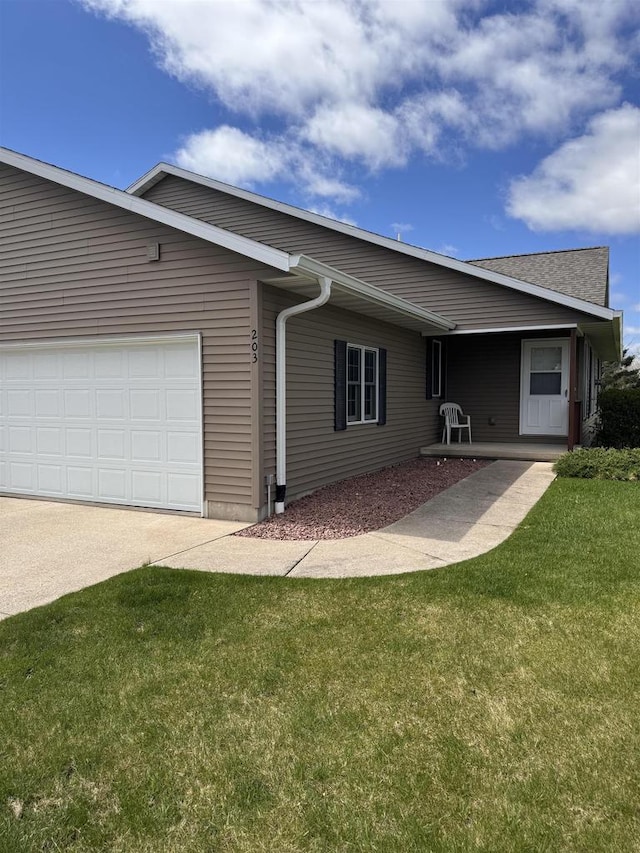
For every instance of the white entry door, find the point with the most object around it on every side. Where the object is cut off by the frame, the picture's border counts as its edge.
(544, 387)
(109, 421)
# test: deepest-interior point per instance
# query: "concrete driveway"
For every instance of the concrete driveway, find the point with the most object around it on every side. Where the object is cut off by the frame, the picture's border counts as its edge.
(48, 549)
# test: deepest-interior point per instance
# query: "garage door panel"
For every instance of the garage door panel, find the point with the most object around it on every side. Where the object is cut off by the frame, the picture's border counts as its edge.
(19, 404)
(145, 404)
(20, 439)
(80, 482)
(116, 423)
(76, 365)
(181, 405)
(51, 479)
(182, 488)
(49, 441)
(146, 446)
(79, 443)
(77, 403)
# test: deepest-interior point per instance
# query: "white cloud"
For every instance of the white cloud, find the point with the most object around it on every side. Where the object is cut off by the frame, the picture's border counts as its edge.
(375, 82)
(232, 156)
(357, 131)
(591, 182)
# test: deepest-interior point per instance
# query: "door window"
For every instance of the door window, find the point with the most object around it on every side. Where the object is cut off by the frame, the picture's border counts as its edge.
(546, 371)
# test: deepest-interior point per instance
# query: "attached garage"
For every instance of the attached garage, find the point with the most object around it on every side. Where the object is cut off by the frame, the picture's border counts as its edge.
(114, 421)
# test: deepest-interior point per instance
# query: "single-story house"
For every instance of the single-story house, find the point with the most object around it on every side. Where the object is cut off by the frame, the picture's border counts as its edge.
(192, 346)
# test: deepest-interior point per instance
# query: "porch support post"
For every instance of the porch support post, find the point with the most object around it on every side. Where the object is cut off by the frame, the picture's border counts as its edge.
(573, 388)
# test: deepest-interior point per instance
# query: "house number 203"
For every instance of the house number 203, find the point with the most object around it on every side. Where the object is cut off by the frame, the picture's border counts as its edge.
(254, 346)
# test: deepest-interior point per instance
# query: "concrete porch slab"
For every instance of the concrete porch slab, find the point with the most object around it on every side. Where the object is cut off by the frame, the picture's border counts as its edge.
(530, 452)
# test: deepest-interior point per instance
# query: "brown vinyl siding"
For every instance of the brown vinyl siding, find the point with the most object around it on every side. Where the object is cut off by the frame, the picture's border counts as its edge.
(483, 376)
(316, 454)
(74, 266)
(468, 301)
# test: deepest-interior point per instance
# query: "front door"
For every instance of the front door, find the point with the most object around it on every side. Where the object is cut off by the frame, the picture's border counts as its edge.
(544, 387)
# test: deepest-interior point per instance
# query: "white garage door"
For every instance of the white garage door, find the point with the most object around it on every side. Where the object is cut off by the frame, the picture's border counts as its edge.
(112, 422)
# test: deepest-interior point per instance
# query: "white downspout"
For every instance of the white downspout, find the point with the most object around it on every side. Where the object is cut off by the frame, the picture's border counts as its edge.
(281, 385)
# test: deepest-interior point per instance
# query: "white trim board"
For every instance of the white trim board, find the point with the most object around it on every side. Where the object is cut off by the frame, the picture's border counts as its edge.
(102, 340)
(162, 169)
(498, 329)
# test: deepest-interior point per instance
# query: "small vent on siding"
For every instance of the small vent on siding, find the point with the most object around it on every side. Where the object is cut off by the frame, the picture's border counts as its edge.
(153, 252)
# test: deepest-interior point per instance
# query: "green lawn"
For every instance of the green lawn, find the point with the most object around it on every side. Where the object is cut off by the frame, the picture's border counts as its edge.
(492, 705)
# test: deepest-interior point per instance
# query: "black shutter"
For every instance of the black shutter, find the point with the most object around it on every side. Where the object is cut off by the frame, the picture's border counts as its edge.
(340, 385)
(427, 360)
(382, 386)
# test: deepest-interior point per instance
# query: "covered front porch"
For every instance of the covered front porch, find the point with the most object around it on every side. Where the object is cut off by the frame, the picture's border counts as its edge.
(537, 452)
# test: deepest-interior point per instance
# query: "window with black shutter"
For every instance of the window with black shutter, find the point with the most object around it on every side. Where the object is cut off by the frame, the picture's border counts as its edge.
(360, 384)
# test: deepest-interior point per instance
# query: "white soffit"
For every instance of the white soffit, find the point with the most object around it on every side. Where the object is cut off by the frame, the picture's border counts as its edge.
(162, 169)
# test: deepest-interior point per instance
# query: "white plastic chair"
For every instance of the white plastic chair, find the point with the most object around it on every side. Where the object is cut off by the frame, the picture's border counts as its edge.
(452, 414)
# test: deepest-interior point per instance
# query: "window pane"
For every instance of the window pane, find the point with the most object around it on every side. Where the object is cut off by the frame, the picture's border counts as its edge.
(545, 383)
(370, 397)
(353, 365)
(546, 358)
(353, 402)
(369, 366)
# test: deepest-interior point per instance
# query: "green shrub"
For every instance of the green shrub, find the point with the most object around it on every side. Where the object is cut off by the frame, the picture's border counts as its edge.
(600, 463)
(619, 418)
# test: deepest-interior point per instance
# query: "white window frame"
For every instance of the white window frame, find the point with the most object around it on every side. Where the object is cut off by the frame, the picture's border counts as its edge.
(362, 350)
(436, 392)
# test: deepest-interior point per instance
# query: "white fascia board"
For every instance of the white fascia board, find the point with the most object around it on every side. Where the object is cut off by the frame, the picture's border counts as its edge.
(158, 172)
(498, 329)
(305, 267)
(211, 233)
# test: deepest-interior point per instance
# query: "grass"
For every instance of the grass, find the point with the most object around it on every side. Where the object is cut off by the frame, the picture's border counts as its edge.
(488, 706)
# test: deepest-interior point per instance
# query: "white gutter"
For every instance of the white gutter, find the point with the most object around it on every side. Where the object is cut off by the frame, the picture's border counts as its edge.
(281, 384)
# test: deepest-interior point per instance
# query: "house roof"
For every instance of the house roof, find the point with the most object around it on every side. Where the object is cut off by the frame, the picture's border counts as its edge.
(295, 272)
(509, 280)
(583, 273)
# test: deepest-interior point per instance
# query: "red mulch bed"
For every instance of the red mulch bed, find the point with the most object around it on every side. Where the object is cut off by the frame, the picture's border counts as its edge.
(367, 502)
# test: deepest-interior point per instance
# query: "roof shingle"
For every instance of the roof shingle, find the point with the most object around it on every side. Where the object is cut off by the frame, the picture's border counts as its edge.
(582, 273)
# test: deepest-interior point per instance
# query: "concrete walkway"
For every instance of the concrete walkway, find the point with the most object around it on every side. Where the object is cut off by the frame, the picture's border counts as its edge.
(49, 549)
(468, 519)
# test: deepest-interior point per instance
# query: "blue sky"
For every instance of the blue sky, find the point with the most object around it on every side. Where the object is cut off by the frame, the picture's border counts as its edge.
(472, 127)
